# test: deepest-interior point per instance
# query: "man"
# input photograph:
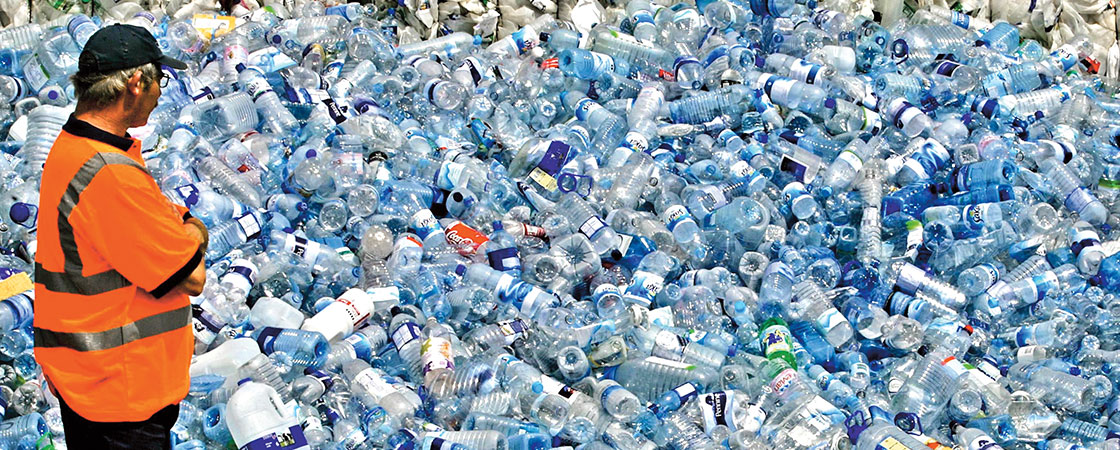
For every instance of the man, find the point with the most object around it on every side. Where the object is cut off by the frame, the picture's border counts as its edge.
(116, 261)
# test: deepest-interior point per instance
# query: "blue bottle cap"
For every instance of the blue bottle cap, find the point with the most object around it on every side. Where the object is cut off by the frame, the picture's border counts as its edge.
(243, 381)
(19, 212)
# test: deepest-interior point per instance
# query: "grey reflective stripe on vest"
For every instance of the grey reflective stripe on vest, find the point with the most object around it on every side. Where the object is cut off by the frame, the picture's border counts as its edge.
(71, 280)
(103, 340)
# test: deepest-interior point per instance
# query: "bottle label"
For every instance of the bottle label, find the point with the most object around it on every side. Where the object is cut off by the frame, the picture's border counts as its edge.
(830, 319)
(823, 16)
(851, 159)
(685, 392)
(532, 230)
(910, 278)
(585, 107)
(983, 442)
(592, 226)
(960, 19)
(946, 68)
(35, 74)
(608, 392)
(189, 194)
(504, 259)
(374, 383)
(1083, 239)
(645, 285)
(256, 87)
(404, 334)
(991, 271)
(437, 354)
(357, 313)
(241, 274)
(741, 169)
(775, 339)
(473, 68)
(1044, 282)
(465, 238)
(804, 71)
(904, 114)
(675, 215)
(359, 347)
(250, 226)
(552, 386)
(290, 438)
(716, 410)
(783, 380)
(636, 141)
(304, 249)
(794, 167)
(779, 90)
(424, 223)
(511, 330)
(533, 301)
(669, 345)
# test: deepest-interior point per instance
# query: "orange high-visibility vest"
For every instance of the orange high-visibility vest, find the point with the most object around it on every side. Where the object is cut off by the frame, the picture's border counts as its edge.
(112, 334)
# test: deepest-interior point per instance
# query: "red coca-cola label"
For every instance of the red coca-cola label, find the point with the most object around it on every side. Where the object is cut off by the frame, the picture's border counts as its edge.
(464, 238)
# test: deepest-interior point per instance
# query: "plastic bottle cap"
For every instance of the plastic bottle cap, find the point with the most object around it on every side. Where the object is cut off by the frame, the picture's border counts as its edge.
(312, 153)
(20, 212)
(830, 103)
(243, 381)
(537, 387)
(460, 269)
(498, 225)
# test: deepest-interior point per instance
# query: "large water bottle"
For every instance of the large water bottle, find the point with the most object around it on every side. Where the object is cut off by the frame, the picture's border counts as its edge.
(342, 316)
(275, 116)
(1054, 388)
(228, 181)
(23, 37)
(81, 27)
(374, 388)
(226, 116)
(307, 348)
(1077, 198)
(44, 124)
(23, 431)
(258, 418)
(449, 45)
(927, 390)
(232, 234)
(650, 377)
(526, 297)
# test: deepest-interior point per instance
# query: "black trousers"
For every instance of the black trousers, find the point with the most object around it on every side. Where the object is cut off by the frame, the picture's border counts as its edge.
(151, 434)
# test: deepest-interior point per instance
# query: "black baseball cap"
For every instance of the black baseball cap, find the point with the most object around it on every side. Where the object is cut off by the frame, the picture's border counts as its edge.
(120, 46)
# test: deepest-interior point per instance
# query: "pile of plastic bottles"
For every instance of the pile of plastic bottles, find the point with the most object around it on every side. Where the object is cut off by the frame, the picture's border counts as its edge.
(720, 224)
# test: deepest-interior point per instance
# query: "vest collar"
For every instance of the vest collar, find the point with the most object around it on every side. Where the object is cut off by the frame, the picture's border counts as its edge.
(83, 129)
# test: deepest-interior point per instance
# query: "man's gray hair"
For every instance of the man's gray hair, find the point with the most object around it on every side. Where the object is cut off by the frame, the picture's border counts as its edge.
(100, 89)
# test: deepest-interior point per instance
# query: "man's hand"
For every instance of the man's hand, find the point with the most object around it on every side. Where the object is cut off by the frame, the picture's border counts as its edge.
(194, 283)
(197, 229)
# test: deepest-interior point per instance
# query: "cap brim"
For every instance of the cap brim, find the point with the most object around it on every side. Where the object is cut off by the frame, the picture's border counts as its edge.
(172, 62)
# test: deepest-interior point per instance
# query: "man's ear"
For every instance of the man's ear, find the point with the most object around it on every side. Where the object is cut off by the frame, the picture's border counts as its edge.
(134, 85)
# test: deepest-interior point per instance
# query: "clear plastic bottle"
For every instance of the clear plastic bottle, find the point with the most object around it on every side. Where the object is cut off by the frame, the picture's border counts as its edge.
(1077, 198)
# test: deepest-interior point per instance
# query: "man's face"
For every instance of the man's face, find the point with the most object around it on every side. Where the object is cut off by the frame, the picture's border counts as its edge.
(144, 103)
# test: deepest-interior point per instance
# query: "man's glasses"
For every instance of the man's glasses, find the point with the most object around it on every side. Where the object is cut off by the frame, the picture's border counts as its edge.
(164, 76)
